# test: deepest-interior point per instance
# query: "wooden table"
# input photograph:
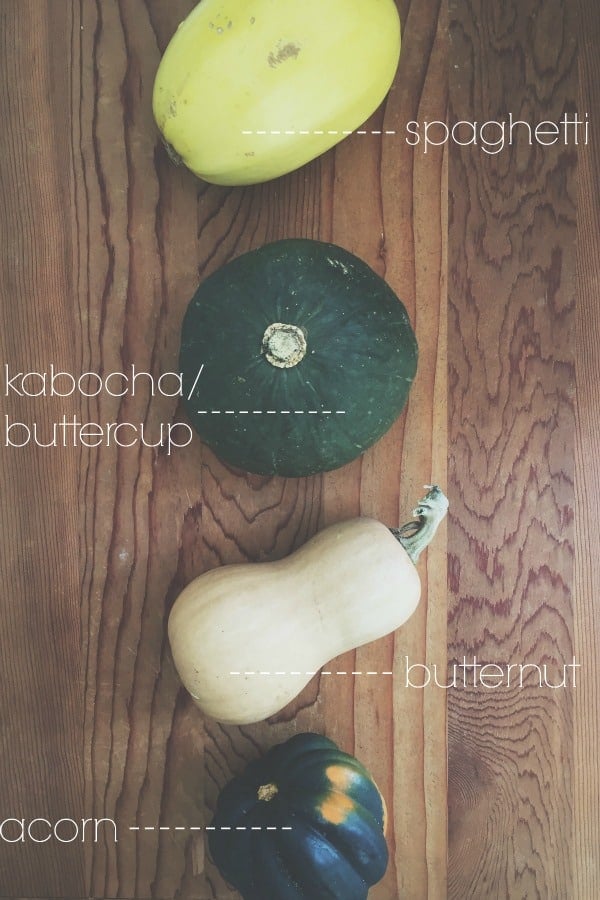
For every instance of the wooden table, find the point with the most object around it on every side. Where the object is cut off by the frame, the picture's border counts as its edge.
(493, 789)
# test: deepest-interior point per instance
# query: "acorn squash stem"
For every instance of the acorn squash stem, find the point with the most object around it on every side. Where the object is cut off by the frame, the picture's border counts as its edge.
(266, 792)
(415, 536)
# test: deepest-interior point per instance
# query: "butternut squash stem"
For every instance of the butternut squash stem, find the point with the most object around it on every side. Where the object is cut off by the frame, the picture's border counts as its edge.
(415, 536)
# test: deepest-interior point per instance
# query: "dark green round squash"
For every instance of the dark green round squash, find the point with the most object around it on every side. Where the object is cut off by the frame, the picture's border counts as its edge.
(308, 358)
(305, 822)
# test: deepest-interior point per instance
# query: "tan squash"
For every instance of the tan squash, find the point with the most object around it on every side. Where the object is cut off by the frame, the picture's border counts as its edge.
(246, 639)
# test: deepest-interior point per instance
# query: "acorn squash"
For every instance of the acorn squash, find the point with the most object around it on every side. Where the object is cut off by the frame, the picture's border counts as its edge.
(246, 639)
(308, 358)
(246, 92)
(305, 822)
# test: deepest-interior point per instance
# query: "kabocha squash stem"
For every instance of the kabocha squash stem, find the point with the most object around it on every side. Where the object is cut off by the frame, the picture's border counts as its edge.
(246, 639)
(284, 346)
(415, 536)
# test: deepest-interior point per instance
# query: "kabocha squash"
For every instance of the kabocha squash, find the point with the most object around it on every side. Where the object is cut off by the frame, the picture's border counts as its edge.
(305, 822)
(246, 639)
(246, 92)
(308, 358)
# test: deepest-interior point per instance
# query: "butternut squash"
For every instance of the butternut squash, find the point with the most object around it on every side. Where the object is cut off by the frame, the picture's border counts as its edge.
(246, 639)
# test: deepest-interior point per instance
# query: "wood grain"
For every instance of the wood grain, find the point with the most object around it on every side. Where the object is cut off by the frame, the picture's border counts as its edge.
(40, 663)
(586, 787)
(511, 450)
(136, 524)
(104, 241)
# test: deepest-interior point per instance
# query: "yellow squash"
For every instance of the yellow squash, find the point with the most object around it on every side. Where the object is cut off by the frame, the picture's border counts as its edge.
(246, 639)
(248, 90)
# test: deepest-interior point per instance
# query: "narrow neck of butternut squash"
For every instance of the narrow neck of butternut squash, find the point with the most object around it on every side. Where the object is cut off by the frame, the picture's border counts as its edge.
(416, 535)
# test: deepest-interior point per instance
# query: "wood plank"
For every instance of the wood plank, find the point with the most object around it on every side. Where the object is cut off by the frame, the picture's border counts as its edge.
(511, 360)
(586, 760)
(411, 255)
(41, 696)
(153, 522)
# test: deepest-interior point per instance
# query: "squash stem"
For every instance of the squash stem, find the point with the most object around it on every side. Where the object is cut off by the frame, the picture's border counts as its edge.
(415, 536)
(284, 346)
(172, 153)
(266, 792)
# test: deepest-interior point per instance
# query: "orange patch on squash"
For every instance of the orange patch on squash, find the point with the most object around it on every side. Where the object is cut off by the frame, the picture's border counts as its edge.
(335, 808)
(340, 777)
